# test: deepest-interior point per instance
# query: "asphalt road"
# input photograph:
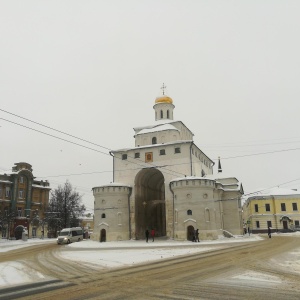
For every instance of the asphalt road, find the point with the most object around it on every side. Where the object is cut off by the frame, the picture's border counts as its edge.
(241, 271)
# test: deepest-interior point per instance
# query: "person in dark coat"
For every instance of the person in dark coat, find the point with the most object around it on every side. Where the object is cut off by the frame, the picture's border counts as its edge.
(147, 235)
(152, 234)
(197, 236)
(269, 232)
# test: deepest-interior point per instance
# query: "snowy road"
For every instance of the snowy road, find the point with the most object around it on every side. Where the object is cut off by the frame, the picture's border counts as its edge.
(267, 269)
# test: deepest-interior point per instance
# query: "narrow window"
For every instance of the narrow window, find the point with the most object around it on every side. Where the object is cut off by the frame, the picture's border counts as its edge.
(21, 179)
(162, 152)
(269, 223)
(295, 208)
(283, 207)
(257, 224)
(207, 215)
(21, 194)
(103, 216)
(161, 114)
(256, 207)
(267, 207)
(297, 223)
(168, 114)
(154, 141)
(124, 156)
(137, 155)
(189, 212)
(19, 212)
(7, 192)
(177, 150)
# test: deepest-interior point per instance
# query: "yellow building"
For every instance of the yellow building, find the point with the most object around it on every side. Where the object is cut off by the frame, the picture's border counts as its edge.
(276, 208)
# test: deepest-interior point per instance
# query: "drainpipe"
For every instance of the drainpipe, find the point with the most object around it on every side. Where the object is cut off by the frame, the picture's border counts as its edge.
(173, 210)
(129, 218)
(191, 158)
(113, 166)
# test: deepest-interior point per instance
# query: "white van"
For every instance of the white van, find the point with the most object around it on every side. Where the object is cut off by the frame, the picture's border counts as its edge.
(70, 235)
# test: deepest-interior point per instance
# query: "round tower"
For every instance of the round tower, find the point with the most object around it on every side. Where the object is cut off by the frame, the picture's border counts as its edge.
(111, 210)
(163, 108)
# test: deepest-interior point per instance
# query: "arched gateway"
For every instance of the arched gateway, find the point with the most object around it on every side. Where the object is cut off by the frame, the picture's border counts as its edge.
(150, 209)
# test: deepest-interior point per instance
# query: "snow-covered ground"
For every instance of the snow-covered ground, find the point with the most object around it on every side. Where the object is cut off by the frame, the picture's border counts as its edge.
(113, 254)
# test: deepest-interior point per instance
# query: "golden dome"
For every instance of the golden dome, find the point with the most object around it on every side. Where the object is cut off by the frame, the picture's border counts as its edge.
(164, 99)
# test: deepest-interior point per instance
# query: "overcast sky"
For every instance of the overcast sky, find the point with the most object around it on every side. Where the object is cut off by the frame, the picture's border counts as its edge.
(94, 68)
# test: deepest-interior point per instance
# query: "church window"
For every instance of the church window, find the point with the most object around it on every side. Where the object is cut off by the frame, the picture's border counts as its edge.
(168, 114)
(202, 173)
(103, 216)
(124, 156)
(162, 152)
(189, 212)
(154, 140)
(21, 179)
(137, 155)
(177, 150)
(161, 114)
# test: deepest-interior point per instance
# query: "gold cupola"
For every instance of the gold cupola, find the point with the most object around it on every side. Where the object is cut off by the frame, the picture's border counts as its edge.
(164, 99)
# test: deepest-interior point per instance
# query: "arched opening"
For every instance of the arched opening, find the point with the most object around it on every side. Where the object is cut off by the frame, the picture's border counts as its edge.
(168, 114)
(102, 235)
(154, 141)
(190, 233)
(18, 232)
(150, 209)
(161, 114)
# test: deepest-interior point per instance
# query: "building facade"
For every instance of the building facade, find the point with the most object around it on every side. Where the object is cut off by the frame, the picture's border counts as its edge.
(23, 201)
(276, 208)
(166, 183)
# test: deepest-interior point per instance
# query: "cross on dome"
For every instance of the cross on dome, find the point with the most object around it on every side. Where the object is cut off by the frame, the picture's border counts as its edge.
(163, 88)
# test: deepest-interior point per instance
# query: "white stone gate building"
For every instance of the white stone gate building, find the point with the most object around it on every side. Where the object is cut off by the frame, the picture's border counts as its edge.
(166, 182)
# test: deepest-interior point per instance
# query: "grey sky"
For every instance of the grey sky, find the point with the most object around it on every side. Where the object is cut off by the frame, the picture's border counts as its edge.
(94, 68)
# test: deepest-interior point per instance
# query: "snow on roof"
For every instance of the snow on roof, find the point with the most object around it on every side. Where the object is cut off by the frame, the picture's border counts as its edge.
(158, 128)
(219, 176)
(276, 191)
(114, 184)
(41, 187)
(6, 181)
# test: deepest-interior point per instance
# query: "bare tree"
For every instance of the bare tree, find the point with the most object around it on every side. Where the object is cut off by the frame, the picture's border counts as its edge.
(65, 207)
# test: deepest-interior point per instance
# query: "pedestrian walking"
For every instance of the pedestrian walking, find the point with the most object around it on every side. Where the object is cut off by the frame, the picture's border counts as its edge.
(147, 235)
(269, 232)
(197, 236)
(152, 234)
(249, 230)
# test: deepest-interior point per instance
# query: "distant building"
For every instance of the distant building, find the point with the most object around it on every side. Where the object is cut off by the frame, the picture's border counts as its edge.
(87, 222)
(276, 208)
(166, 183)
(23, 201)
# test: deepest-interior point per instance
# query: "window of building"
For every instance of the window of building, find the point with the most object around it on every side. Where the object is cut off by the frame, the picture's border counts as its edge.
(267, 207)
(189, 212)
(162, 152)
(161, 114)
(295, 207)
(19, 212)
(137, 155)
(21, 179)
(177, 150)
(283, 207)
(7, 192)
(0, 192)
(207, 215)
(168, 114)
(124, 156)
(256, 207)
(154, 140)
(269, 223)
(257, 224)
(297, 223)
(21, 194)
(103, 216)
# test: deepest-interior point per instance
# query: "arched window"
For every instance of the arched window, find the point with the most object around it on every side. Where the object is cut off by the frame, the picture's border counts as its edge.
(161, 114)
(103, 216)
(207, 215)
(154, 141)
(189, 212)
(168, 114)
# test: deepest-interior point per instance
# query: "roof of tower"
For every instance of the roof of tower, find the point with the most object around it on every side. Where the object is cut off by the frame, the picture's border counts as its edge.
(164, 99)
